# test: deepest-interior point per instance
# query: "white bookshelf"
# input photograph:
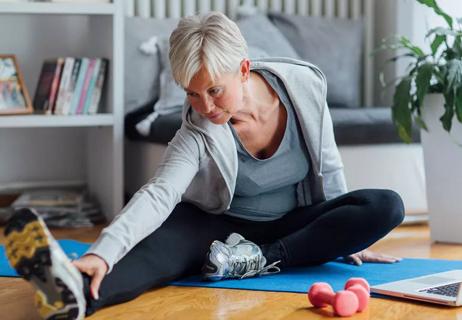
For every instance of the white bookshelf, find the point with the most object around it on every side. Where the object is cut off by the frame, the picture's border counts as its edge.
(56, 149)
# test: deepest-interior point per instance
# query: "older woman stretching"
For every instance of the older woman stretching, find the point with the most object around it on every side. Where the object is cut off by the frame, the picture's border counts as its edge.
(254, 162)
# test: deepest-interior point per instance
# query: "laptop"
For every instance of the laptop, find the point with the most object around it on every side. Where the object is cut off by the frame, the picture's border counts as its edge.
(442, 288)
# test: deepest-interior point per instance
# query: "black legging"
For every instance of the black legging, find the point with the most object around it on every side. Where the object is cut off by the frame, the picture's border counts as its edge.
(307, 235)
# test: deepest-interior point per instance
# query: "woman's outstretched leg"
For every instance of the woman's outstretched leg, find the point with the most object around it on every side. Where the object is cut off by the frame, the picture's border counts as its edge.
(176, 249)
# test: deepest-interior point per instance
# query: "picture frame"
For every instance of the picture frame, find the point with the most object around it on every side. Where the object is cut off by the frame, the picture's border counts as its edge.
(14, 97)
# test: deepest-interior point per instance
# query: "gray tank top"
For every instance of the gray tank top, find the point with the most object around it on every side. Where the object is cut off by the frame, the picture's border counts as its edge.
(266, 189)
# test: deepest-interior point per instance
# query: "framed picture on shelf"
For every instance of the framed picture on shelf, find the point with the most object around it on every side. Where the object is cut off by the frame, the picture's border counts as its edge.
(14, 98)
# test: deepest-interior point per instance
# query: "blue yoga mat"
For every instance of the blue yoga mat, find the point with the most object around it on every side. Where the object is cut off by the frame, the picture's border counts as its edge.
(292, 279)
(72, 248)
(335, 273)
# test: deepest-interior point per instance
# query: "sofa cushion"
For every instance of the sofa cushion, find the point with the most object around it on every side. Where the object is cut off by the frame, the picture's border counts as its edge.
(161, 130)
(334, 45)
(351, 126)
(142, 70)
(259, 32)
(171, 95)
(366, 126)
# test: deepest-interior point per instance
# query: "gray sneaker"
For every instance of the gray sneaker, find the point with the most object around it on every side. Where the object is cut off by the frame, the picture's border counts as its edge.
(38, 258)
(237, 258)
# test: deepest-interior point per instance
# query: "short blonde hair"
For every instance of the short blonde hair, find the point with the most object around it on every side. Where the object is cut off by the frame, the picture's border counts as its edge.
(213, 41)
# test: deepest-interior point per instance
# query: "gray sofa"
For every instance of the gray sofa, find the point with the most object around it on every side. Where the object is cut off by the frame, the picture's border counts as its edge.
(367, 139)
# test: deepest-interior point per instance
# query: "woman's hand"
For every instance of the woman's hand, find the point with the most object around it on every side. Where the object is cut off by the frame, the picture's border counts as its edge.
(95, 267)
(370, 256)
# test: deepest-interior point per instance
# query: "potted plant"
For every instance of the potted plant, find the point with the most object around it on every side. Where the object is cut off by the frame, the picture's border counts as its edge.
(430, 95)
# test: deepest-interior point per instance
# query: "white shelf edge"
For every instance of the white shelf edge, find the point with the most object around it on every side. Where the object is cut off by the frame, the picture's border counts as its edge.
(57, 8)
(48, 121)
(22, 185)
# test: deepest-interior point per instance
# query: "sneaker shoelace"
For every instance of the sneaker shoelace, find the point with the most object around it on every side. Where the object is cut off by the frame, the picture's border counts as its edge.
(244, 267)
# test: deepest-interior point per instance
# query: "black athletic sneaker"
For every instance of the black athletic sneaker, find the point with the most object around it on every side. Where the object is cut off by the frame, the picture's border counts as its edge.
(38, 258)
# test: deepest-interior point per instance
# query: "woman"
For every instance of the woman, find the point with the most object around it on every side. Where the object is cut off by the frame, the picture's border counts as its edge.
(255, 158)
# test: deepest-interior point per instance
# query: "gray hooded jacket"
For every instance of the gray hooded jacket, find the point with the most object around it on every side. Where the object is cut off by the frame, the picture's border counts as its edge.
(200, 163)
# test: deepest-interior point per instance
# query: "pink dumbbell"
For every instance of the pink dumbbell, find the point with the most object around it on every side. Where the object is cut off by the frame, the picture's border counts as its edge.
(345, 302)
(362, 290)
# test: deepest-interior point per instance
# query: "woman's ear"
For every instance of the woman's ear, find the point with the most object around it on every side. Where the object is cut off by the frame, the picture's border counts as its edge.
(244, 69)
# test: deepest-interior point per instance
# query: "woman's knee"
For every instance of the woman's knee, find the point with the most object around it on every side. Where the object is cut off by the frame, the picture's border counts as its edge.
(383, 205)
(390, 206)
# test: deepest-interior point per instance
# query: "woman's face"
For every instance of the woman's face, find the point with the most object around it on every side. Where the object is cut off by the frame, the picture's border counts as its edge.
(218, 100)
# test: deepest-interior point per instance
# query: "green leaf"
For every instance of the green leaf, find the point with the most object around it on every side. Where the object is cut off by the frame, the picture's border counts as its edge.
(432, 4)
(439, 39)
(404, 135)
(446, 118)
(439, 73)
(454, 73)
(440, 31)
(449, 54)
(422, 81)
(406, 43)
(458, 104)
(386, 43)
(421, 123)
(458, 45)
(401, 112)
(395, 58)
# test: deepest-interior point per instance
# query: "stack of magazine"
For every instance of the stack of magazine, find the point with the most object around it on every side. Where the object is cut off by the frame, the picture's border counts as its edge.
(62, 208)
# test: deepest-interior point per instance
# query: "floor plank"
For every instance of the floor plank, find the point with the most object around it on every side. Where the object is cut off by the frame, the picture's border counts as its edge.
(202, 303)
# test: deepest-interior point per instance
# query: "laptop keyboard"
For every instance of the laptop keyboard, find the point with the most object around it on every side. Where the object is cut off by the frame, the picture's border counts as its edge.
(449, 290)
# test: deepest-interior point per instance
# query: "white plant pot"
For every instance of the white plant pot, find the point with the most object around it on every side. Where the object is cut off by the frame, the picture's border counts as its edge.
(442, 160)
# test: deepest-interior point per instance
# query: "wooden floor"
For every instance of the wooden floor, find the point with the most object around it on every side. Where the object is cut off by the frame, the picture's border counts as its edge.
(201, 303)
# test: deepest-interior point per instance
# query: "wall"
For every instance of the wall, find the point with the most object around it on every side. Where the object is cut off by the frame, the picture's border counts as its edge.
(425, 19)
(392, 17)
(409, 18)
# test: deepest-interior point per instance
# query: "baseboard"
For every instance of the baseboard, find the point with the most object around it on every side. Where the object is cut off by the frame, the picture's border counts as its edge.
(412, 219)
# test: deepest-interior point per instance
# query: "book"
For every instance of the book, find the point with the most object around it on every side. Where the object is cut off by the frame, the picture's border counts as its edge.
(78, 86)
(99, 85)
(71, 87)
(91, 86)
(63, 84)
(55, 86)
(86, 84)
(42, 93)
